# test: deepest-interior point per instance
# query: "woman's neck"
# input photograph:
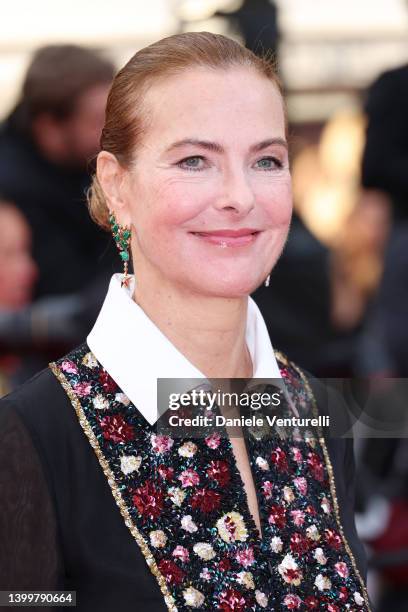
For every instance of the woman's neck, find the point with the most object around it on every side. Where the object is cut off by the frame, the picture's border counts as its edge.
(209, 331)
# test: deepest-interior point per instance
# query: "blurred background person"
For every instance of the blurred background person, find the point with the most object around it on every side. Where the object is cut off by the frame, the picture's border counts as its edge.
(46, 144)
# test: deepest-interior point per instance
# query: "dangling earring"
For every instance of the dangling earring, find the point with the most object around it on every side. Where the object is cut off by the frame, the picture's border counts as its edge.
(121, 235)
(268, 278)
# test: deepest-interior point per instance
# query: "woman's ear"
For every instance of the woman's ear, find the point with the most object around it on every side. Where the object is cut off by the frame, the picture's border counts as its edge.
(111, 177)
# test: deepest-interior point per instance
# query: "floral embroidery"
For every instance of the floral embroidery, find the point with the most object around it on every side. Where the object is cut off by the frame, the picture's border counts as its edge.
(187, 508)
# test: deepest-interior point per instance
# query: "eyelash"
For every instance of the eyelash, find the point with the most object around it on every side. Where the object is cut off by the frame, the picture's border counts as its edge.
(276, 161)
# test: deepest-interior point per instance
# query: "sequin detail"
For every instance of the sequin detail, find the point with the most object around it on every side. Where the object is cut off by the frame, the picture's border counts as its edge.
(185, 504)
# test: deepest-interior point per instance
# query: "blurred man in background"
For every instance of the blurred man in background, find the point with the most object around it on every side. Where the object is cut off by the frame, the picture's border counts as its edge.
(46, 145)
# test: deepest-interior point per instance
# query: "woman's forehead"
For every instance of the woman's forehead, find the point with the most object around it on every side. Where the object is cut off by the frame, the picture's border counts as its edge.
(206, 101)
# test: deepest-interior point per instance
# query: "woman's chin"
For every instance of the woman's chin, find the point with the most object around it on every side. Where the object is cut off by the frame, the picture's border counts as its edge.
(232, 288)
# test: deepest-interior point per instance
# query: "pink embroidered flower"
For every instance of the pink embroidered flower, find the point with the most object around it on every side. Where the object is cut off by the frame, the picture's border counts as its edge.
(298, 517)
(82, 388)
(213, 440)
(316, 466)
(331, 607)
(206, 500)
(267, 488)
(108, 384)
(116, 429)
(69, 366)
(232, 600)
(279, 459)
(301, 484)
(181, 553)
(245, 557)
(333, 539)
(167, 473)
(161, 444)
(172, 573)
(292, 602)
(189, 478)
(277, 516)
(149, 500)
(342, 569)
(297, 454)
(220, 472)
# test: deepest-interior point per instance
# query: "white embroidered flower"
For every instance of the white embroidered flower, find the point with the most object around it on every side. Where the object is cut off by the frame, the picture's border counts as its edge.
(326, 506)
(276, 544)
(289, 570)
(262, 463)
(261, 599)
(322, 582)
(231, 527)
(358, 599)
(158, 538)
(122, 399)
(320, 556)
(177, 495)
(130, 463)
(310, 439)
(205, 574)
(188, 524)
(312, 533)
(193, 598)
(100, 402)
(204, 550)
(188, 449)
(288, 494)
(89, 360)
(246, 579)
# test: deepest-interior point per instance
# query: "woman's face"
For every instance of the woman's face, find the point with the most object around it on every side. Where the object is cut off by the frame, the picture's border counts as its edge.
(209, 195)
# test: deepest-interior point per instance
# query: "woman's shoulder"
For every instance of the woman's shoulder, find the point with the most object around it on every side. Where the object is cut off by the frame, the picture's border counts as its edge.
(41, 403)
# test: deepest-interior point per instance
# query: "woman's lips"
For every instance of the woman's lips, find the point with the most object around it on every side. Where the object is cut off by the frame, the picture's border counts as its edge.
(229, 238)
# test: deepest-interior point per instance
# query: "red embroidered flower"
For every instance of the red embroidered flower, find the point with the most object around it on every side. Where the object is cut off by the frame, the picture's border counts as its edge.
(172, 573)
(279, 459)
(292, 602)
(149, 499)
(316, 466)
(333, 539)
(116, 429)
(277, 516)
(311, 602)
(108, 384)
(206, 500)
(167, 473)
(220, 472)
(232, 600)
(299, 543)
(343, 594)
(224, 565)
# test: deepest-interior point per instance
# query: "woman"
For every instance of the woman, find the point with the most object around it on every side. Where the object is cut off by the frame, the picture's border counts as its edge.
(194, 176)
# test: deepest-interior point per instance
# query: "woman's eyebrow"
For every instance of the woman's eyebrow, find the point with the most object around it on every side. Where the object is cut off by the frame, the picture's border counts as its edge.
(217, 148)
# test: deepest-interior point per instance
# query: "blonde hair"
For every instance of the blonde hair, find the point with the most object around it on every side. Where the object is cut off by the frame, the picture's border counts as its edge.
(125, 115)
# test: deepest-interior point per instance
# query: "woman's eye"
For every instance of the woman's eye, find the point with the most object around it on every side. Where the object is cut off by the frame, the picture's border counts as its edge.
(269, 163)
(194, 163)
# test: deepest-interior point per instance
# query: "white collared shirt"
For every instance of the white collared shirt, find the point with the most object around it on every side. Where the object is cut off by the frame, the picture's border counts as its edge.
(135, 352)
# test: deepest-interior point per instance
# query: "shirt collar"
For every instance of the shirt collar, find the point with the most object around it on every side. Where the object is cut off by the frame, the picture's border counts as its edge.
(135, 353)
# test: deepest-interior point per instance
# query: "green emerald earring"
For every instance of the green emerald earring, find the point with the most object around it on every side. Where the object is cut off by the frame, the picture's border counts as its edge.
(121, 234)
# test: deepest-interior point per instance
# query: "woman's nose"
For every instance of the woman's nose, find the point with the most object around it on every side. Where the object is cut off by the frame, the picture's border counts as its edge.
(236, 193)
